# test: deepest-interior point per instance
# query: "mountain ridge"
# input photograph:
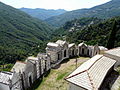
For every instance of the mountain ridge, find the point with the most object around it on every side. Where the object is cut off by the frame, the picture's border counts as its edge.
(43, 13)
(106, 10)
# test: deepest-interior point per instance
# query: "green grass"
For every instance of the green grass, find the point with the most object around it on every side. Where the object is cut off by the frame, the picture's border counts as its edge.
(61, 76)
(118, 69)
(55, 79)
(7, 67)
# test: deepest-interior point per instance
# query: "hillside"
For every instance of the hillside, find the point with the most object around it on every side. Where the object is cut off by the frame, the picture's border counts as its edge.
(43, 13)
(103, 11)
(97, 33)
(74, 26)
(20, 34)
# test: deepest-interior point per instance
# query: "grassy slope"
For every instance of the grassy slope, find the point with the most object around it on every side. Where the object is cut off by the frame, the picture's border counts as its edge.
(55, 80)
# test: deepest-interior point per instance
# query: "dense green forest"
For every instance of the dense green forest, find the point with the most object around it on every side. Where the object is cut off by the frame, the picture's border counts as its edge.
(107, 10)
(99, 32)
(20, 34)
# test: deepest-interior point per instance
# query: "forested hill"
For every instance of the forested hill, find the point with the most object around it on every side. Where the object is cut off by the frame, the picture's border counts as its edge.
(20, 34)
(106, 10)
(43, 13)
(75, 25)
(97, 32)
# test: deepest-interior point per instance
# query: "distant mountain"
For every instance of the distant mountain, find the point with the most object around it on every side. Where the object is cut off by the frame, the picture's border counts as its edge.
(104, 11)
(43, 13)
(20, 34)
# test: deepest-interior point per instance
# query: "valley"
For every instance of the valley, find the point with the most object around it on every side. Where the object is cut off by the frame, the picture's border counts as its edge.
(34, 40)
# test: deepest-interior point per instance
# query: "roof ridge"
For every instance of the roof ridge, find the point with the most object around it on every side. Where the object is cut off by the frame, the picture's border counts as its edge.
(95, 62)
(85, 70)
(92, 84)
(21, 62)
(76, 74)
(113, 48)
(31, 61)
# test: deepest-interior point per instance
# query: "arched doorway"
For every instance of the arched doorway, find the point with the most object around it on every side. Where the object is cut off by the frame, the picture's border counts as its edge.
(73, 52)
(83, 51)
(58, 56)
(88, 52)
(30, 80)
(64, 53)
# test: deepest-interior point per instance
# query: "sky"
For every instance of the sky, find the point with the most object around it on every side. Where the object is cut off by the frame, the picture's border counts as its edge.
(54, 4)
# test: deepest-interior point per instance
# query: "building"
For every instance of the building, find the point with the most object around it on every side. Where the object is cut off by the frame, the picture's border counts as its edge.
(45, 62)
(24, 74)
(10, 81)
(87, 50)
(57, 51)
(73, 50)
(61, 50)
(27, 71)
(115, 54)
(93, 74)
(102, 49)
(37, 62)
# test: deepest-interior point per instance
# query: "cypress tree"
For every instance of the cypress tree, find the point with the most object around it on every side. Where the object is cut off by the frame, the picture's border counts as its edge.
(111, 40)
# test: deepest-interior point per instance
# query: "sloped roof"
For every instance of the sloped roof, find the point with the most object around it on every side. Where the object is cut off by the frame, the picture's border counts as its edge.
(43, 56)
(91, 74)
(32, 58)
(103, 48)
(61, 42)
(70, 45)
(5, 77)
(19, 66)
(115, 51)
(82, 44)
(52, 44)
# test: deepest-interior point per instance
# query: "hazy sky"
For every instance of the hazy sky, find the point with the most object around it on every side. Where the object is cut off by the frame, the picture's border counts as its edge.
(54, 4)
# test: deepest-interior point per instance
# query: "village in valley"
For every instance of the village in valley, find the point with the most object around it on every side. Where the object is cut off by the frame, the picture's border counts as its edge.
(44, 47)
(97, 73)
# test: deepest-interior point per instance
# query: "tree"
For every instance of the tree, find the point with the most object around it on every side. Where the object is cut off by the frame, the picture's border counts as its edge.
(111, 40)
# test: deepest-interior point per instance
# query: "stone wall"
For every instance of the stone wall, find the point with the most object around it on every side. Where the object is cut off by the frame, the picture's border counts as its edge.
(30, 74)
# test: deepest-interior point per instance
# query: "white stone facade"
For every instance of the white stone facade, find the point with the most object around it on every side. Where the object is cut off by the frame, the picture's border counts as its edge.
(58, 50)
(10, 81)
(86, 50)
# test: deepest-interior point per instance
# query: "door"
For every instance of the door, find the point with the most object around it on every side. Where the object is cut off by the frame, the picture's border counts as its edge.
(30, 81)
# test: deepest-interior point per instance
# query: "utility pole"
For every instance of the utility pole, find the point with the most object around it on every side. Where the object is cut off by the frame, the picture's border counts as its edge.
(76, 62)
